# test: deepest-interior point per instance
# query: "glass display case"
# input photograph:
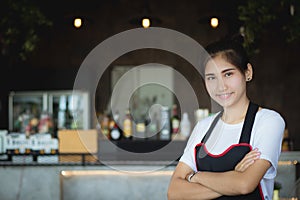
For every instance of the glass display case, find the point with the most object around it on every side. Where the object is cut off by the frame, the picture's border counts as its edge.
(48, 111)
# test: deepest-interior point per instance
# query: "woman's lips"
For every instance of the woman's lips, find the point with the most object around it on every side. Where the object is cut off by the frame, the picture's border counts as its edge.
(224, 96)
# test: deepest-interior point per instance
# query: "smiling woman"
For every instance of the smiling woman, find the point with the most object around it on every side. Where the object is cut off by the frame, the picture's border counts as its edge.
(225, 78)
(234, 153)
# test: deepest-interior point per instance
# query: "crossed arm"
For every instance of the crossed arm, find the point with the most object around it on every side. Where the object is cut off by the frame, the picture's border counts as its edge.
(210, 185)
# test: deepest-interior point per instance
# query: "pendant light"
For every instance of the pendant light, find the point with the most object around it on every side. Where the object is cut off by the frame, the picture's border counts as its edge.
(77, 22)
(145, 20)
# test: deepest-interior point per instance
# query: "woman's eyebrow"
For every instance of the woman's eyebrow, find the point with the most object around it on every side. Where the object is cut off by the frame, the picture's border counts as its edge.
(226, 70)
(209, 74)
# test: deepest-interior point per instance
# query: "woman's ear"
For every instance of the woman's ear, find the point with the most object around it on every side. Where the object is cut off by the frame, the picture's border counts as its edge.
(249, 72)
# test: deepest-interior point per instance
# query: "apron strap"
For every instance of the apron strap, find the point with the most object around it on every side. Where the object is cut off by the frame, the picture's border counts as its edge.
(212, 126)
(247, 126)
(248, 123)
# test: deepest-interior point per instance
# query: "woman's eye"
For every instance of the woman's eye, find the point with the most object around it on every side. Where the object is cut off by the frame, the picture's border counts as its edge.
(210, 78)
(228, 74)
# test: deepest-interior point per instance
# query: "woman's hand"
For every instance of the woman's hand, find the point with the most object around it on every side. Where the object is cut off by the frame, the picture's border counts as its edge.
(247, 160)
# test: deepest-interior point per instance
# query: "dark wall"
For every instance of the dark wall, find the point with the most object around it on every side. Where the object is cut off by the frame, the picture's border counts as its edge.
(276, 83)
(63, 48)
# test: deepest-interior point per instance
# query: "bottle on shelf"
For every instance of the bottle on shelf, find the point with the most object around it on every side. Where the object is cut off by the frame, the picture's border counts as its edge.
(185, 125)
(127, 126)
(140, 130)
(175, 121)
(165, 127)
(98, 123)
(105, 126)
(111, 123)
(200, 114)
(287, 142)
(152, 128)
(115, 132)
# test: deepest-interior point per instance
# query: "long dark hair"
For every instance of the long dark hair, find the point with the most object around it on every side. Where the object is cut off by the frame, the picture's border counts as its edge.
(232, 51)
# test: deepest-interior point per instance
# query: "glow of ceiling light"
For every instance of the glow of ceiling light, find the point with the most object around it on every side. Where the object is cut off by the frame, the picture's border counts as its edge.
(146, 22)
(214, 22)
(77, 22)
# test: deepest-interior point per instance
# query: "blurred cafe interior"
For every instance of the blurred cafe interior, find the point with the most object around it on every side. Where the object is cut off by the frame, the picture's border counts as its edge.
(103, 92)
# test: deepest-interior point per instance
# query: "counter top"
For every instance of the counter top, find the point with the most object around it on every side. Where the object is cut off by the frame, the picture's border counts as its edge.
(290, 156)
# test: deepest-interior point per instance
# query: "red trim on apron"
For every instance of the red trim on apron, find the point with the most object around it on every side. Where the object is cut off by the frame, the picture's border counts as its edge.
(224, 152)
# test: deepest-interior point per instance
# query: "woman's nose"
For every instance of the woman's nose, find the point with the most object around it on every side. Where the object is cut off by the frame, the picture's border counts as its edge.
(221, 85)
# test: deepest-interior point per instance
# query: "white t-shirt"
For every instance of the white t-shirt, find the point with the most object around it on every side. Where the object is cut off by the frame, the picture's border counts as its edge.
(266, 135)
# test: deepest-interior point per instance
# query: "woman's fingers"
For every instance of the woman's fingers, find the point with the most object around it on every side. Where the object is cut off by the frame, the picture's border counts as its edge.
(247, 160)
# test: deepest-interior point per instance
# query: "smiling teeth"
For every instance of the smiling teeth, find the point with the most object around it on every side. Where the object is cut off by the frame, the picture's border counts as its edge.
(224, 95)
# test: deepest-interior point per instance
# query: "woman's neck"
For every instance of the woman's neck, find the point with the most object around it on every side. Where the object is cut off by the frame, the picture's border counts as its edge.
(235, 114)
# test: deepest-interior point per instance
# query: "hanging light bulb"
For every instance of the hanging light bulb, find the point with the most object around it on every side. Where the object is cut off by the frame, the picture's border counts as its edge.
(214, 22)
(77, 22)
(146, 22)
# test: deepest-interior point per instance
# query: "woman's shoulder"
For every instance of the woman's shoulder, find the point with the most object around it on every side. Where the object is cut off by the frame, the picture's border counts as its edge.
(269, 115)
(268, 112)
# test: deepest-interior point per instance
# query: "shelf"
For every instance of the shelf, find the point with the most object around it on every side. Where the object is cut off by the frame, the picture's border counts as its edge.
(135, 152)
(140, 146)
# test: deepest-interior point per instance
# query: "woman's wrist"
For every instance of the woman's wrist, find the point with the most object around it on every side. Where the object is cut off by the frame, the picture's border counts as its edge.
(190, 176)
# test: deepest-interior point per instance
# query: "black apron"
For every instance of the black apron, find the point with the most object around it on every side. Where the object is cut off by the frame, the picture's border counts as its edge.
(232, 156)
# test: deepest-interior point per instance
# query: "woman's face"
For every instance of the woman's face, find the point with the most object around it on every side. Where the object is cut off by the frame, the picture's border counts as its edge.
(224, 82)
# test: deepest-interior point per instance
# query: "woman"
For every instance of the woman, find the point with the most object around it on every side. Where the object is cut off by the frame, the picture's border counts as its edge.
(234, 153)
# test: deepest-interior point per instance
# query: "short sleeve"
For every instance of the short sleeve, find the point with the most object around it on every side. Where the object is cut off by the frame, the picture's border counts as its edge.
(197, 134)
(269, 130)
(188, 154)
